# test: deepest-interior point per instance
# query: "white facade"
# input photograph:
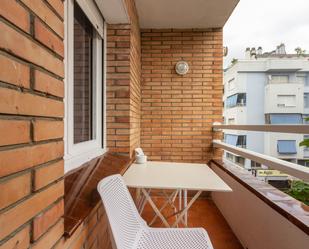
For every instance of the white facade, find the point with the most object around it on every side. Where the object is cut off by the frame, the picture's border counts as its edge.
(263, 89)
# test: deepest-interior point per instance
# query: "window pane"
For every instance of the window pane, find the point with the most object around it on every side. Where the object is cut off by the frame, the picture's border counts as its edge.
(279, 79)
(83, 86)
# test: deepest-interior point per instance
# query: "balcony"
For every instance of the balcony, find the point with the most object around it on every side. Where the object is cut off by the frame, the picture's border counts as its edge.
(288, 98)
(79, 93)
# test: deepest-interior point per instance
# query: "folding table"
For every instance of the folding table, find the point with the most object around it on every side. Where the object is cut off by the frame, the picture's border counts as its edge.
(178, 177)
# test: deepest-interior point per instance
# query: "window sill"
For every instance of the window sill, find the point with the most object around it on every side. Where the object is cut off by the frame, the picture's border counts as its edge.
(81, 195)
(73, 162)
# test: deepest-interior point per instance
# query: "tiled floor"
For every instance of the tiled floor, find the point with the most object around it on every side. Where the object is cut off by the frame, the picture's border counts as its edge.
(203, 213)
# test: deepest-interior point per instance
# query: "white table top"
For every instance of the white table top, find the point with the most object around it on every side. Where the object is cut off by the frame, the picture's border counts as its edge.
(168, 175)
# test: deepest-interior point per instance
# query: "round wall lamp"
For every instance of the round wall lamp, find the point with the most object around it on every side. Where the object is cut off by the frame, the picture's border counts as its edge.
(182, 67)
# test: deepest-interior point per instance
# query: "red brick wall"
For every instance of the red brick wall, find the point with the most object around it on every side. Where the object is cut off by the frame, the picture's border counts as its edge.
(123, 84)
(178, 111)
(135, 77)
(31, 123)
(91, 234)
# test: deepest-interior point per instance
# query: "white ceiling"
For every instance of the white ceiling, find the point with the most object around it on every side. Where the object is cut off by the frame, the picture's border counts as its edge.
(184, 13)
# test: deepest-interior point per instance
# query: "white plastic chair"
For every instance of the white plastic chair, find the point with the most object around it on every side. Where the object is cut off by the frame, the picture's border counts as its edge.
(130, 231)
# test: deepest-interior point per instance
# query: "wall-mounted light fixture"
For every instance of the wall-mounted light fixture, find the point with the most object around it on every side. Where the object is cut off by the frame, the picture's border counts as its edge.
(182, 67)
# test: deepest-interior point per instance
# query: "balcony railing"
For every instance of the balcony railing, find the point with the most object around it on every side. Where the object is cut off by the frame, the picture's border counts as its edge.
(292, 169)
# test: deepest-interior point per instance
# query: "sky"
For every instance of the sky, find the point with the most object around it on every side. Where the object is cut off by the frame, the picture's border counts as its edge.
(267, 23)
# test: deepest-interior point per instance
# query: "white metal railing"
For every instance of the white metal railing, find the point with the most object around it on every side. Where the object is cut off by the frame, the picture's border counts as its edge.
(292, 169)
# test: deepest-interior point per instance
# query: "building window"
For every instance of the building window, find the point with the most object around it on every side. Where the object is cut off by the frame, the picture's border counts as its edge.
(302, 79)
(286, 100)
(242, 141)
(229, 156)
(303, 162)
(284, 119)
(238, 99)
(240, 160)
(231, 121)
(84, 96)
(279, 79)
(286, 147)
(255, 165)
(306, 100)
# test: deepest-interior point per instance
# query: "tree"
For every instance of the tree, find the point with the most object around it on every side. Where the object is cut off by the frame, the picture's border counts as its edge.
(306, 141)
(300, 191)
(234, 61)
(300, 51)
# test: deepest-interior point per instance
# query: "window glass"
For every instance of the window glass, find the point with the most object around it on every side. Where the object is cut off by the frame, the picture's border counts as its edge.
(241, 99)
(302, 79)
(279, 79)
(83, 77)
(285, 119)
(240, 160)
(286, 147)
(242, 141)
(255, 164)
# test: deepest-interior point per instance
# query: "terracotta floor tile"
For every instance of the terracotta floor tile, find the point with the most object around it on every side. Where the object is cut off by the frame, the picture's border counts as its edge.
(203, 213)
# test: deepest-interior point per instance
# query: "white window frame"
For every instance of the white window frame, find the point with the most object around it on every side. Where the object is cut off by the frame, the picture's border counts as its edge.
(278, 78)
(77, 154)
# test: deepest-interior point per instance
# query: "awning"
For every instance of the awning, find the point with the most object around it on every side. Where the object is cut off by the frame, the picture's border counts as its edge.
(231, 139)
(287, 147)
(285, 119)
(231, 101)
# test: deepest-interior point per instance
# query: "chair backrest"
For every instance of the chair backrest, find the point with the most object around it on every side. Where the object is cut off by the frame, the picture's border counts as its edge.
(124, 219)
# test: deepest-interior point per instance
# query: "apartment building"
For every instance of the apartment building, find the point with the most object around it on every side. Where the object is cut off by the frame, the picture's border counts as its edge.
(267, 88)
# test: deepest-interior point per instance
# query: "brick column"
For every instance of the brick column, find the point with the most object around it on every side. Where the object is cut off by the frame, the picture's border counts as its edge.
(31, 123)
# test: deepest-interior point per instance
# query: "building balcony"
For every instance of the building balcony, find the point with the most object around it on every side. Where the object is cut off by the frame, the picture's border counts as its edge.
(287, 98)
(85, 83)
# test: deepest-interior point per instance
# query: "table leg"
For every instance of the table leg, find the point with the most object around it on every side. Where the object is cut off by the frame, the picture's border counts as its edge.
(169, 200)
(183, 212)
(142, 201)
(180, 203)
(185, 202)
(153, 205)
